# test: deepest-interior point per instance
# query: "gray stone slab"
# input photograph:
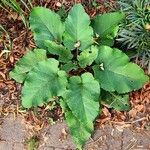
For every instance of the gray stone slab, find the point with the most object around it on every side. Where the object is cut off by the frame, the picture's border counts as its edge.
(13, 130)
(53, 137)
(13, 135)
(18, 146)
(6, 145)
(104, 139)
(107, 138)
(46, 148)
(136, 140)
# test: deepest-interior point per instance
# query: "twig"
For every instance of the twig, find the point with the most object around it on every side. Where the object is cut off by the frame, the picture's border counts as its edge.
(130, 122)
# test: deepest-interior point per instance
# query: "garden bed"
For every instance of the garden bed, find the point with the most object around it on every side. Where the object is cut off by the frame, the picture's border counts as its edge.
(19, 40)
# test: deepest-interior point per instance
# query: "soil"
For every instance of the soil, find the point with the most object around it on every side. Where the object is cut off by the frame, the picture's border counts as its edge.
(114, 129)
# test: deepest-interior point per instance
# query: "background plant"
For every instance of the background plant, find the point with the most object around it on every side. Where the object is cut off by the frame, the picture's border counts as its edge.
(17, 7)
(73, 63)
(6, 43)
(135, 32)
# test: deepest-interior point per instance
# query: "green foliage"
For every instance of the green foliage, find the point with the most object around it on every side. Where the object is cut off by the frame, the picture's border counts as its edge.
(87, 57)
(78, 33)
(27, 63)
(106, 26)
(74, 69)
(135, 31)
(138, 10)
(69, 66)
(46, 25)
(113, 67)
(103, 24)
(33, 143)
(87, 91)
(55, 49)
(113, 100)
(81, 132)
(44, 82)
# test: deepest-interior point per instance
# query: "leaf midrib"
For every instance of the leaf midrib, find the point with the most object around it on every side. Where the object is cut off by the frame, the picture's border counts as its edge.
(114, 72)
(46, 27)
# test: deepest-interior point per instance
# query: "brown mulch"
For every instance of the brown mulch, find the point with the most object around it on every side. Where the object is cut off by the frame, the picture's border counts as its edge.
(138, 116)
(22, 41)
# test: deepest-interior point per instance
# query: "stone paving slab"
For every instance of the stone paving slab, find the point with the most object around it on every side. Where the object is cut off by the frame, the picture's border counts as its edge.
(106, 138)
(13, 130)
(6, 145)
(54, 138)
(136, 140)
(13, 135)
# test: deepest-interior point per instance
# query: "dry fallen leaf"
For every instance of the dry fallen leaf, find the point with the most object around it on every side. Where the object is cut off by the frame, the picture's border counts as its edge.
(132, 113)
(139, 108)
(106, 112)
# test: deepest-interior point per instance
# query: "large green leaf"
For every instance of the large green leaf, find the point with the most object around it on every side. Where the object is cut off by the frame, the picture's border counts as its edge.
(80, 132)
(109, 38)
(87, 57)
(83, 92)
(78, 33)
(56, 49)
(106, 41)
(43, 83)
(105, 24)
(26, 63)
(116, 101)
(46, 25)
(116, 73)
(69, 66)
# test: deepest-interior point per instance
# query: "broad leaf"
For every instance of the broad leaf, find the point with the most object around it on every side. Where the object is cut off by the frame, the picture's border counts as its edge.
(108, 39)
(80, 132)
(116, 73)
(78, 33)
(63, 53)
(87, 57)
(69, 66)
(26, 63)
(43, 83)
(118, 102)
(83, 92)
(105, 24)
(46, 25)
